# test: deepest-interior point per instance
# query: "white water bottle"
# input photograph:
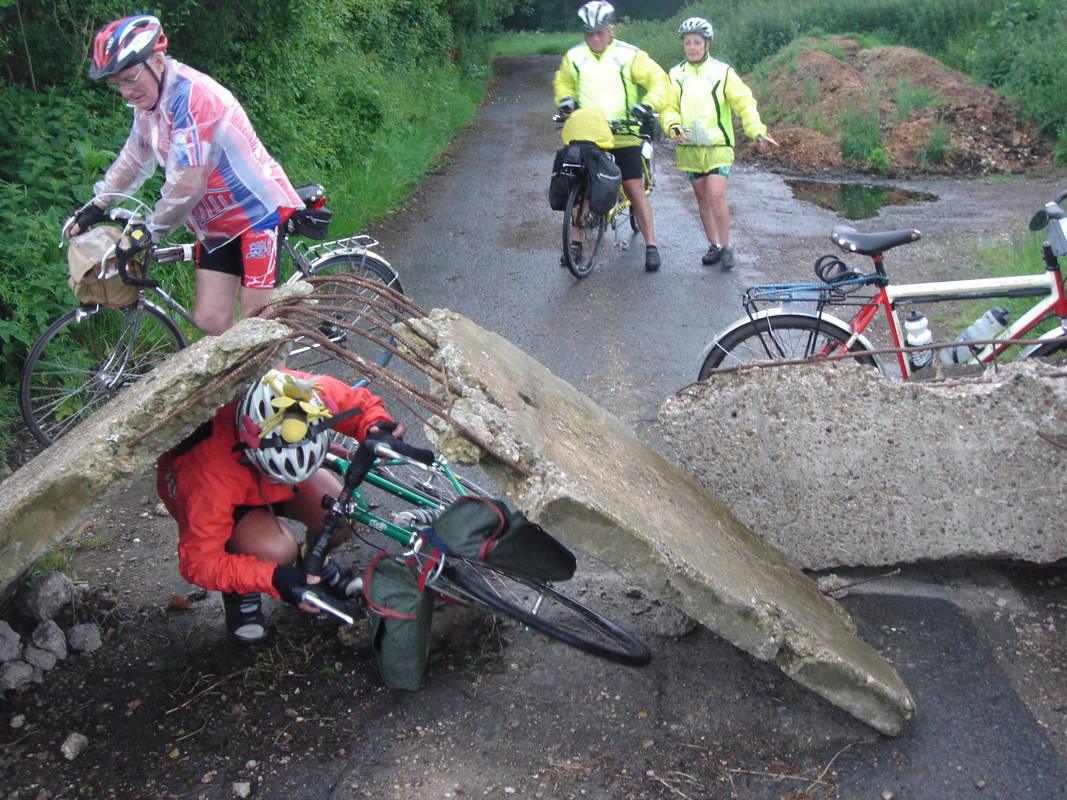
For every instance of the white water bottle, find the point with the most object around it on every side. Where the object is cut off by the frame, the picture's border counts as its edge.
(986, 326)
(917, 334)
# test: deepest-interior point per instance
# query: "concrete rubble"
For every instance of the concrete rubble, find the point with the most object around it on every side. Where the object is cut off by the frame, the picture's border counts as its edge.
(593, 484)
(836, 465)
(46, 500)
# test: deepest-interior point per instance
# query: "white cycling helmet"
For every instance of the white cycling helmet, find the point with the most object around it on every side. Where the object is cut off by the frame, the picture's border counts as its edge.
(596, 15)
(282, 424)
(697, 25)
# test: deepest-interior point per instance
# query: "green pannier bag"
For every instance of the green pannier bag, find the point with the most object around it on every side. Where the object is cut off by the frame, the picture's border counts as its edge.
(483, 529)
(399, 614)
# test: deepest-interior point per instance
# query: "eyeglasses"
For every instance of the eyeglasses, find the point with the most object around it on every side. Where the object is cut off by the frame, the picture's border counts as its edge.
(129, 80)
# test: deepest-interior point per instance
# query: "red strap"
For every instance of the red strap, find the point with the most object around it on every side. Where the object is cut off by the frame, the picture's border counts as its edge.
(381, 611)
(491, 540)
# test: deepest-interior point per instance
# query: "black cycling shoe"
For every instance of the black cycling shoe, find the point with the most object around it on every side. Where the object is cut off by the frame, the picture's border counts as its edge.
(244, 617)
(728, 261)
(341, 583)
(713, 255)
(576, 255)
(652, 259)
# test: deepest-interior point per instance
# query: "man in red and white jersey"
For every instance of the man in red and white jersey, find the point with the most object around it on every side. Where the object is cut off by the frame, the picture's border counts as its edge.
(220, 180)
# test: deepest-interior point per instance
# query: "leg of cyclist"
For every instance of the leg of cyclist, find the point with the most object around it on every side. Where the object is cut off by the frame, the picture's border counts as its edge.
(259, 269)
(257, 532)
(216, 292)
(633, 183)
(702, 190)
(720, 209)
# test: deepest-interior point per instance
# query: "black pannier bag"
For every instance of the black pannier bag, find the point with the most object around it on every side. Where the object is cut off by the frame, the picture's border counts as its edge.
(559, 187)
(605, 179)
(483, 529)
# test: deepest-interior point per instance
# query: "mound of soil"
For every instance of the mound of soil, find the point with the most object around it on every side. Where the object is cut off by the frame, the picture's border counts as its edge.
(931, 118)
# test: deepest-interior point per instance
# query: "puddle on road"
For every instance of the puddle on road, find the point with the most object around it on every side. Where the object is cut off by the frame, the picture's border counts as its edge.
(856, 200)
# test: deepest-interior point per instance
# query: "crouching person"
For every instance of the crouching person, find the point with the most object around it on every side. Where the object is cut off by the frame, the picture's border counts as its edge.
(232, 483)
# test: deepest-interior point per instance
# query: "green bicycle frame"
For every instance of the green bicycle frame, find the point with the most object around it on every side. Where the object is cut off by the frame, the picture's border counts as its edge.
(360, 510)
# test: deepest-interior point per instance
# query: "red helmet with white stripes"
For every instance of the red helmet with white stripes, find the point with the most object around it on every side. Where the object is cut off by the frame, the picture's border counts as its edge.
(125, 42)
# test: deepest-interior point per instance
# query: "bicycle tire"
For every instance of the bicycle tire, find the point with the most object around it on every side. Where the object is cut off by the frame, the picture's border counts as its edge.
(591, 230)
(84, 345)
(553, 613)
(779, 338)
(1047, 350)
(633, 222)
(366, 265)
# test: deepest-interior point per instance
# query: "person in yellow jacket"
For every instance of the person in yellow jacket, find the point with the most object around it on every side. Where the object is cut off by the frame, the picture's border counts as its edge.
(609, 74)
(699, 120)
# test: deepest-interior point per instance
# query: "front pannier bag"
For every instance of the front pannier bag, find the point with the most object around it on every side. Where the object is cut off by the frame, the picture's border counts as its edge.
(400, 614)
(483, 529)
(605, 179)
(559, 187)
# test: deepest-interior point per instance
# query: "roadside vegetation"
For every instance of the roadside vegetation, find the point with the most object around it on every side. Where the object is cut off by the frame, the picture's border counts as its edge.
(360, 95)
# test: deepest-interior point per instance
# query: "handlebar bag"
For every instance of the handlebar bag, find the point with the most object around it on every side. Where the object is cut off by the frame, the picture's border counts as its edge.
(605, 179)
(94, 275)
(483, 529)
(400, 615)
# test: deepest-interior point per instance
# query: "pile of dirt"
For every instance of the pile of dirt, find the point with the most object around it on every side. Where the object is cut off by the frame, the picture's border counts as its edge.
(930, 118)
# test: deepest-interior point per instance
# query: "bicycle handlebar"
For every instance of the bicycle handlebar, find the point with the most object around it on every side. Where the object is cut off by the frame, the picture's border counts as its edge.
(361, 459)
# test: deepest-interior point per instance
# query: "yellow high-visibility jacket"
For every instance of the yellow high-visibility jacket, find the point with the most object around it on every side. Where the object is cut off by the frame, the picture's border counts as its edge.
(703, 100)
(609, 81)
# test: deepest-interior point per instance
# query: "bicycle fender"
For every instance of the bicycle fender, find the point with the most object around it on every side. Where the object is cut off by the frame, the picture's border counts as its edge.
(829, 320)
(1055, 333)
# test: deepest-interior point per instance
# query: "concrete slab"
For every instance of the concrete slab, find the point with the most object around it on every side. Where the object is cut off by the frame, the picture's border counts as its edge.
(598, 488)
(837, 465)
(48, 498)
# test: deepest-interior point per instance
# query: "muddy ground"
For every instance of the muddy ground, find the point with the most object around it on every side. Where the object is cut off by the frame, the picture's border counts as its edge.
(171, 709)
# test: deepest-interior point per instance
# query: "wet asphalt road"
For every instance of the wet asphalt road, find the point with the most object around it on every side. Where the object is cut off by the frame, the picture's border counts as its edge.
(479, 238)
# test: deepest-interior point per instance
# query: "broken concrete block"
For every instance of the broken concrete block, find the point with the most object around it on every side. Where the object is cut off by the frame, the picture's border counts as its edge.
(15, 675)
(50, 497)
(837, 465)
(85, 638)
(10, 642)
(46, 596)
(593, 484)
(49, 636)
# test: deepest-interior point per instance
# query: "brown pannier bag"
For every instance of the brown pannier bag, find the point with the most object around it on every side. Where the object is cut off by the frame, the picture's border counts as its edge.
(94, 273)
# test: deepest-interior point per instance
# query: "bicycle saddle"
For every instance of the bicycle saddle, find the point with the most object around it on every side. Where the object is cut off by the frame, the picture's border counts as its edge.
(310, 193)
(871, 244)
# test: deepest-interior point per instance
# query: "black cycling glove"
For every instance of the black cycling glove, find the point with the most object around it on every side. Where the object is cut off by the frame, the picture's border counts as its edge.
(90, 215)
(384, 430)
(642, 112)
(291, 583)
(137, 238)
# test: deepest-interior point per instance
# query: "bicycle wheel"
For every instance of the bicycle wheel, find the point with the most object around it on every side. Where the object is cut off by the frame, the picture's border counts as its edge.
(543, 608)
(430, 484)
(85, 357)
(633, 222)
(1046, 350)
(359, 312)
(591, 231)
(779, 338)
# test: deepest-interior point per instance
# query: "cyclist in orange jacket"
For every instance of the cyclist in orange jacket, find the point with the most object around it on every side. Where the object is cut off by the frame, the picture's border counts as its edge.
(257, 460)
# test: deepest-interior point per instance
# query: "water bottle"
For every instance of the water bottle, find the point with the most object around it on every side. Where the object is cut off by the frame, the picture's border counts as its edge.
(917, 334)
(986, 326)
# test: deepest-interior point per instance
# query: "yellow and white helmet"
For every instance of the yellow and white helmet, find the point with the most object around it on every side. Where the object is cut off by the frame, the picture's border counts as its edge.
(284, 426)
